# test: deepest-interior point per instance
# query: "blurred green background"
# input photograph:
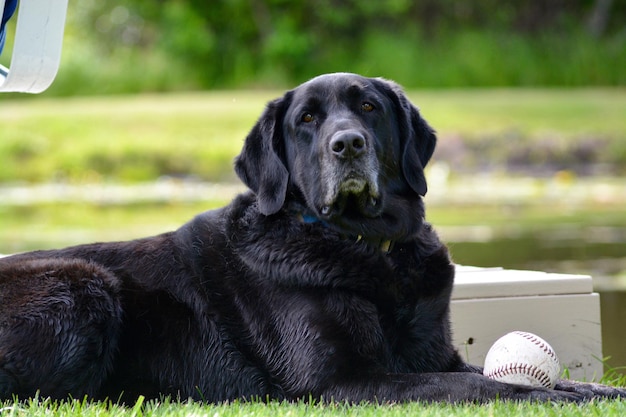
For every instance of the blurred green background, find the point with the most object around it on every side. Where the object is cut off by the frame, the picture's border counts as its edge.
(154, 98)
(121, 46)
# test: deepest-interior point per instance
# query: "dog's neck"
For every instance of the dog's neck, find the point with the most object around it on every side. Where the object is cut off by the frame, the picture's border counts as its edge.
(385, 246)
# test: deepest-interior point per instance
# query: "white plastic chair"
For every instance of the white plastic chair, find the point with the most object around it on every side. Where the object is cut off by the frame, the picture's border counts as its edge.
(37, 46)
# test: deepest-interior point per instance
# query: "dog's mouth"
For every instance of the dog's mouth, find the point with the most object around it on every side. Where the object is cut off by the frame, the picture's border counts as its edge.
(355, 196)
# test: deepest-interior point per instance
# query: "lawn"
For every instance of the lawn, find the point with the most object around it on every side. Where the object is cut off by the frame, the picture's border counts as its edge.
(169, 408)
(139, 138)
(133, 138)
(533, 111)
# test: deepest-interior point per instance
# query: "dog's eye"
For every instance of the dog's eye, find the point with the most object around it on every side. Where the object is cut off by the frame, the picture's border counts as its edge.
(367, 107)
(307, 118)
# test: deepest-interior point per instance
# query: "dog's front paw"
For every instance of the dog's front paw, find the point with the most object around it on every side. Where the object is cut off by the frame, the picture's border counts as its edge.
(590, 390)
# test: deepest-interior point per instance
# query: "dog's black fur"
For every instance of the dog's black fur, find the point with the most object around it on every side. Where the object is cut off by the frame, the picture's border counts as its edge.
(322, 282)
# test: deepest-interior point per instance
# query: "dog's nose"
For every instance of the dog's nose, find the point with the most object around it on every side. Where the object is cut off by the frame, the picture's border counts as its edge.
(348, 144)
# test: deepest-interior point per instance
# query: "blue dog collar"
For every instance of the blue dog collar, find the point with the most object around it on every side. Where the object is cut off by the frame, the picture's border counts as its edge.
(384, 245)
(307, 218)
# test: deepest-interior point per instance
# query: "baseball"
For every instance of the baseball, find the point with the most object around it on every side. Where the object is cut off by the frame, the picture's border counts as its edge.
(522, 358)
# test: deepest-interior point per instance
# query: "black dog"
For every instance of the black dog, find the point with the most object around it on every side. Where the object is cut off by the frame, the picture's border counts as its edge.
(322, 282)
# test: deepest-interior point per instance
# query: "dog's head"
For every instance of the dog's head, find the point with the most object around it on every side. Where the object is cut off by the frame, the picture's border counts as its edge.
(345, 149)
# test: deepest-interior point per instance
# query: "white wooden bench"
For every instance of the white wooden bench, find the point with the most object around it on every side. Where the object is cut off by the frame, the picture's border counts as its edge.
(37, 46)
(562, 309)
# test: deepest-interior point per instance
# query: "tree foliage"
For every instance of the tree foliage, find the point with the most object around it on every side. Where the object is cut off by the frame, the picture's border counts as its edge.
(225, 43)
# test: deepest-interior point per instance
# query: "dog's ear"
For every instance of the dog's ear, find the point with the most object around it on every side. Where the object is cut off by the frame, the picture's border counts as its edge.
(419, 147)
(259, 164)
(417, 139)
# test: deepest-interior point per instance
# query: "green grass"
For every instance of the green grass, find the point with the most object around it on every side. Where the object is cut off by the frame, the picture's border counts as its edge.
(127, 139)
(238, 409)
(532, 111)
(139, 138)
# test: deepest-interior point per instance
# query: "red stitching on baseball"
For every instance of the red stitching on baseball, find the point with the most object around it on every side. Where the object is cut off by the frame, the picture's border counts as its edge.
(542, 346)
(523, 368)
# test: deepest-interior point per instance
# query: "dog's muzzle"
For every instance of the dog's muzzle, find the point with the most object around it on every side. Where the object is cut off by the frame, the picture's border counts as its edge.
(350, 177)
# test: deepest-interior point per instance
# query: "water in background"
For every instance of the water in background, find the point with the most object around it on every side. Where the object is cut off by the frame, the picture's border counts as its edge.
(613, 306)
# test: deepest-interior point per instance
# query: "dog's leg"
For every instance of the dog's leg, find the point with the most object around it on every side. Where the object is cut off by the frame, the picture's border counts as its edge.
(440, 387)
(59, 323)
